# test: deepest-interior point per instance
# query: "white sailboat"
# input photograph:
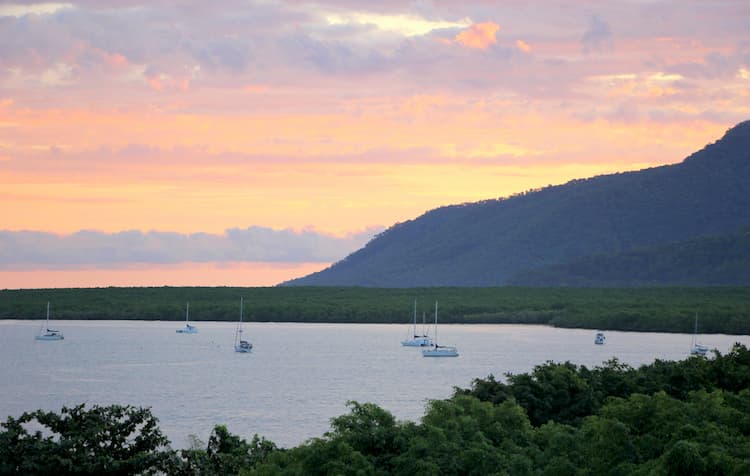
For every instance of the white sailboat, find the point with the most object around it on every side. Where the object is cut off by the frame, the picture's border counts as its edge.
(695, 347)
(241, 345)
(416, 340)
(188, 329)
(439, 350)
(45, 333)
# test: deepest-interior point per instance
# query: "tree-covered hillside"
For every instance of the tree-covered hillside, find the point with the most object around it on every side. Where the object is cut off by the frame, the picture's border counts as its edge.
(485, 243)
(716, 260)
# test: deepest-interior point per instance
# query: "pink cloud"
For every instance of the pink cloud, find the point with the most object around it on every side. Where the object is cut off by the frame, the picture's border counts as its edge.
(116, 60)
(163, 82)
(159, 274)
(479, 35)
(156, 83)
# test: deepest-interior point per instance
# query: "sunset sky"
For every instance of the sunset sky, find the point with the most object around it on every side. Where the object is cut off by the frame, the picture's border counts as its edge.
(250, 142)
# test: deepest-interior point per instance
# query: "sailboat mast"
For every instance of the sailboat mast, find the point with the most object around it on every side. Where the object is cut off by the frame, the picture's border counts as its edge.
(695, 329)
(47, 324)
(436, 307)
(187, 313)
(239, 325)
(415, 318)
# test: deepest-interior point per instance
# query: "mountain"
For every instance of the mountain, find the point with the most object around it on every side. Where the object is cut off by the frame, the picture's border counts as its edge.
(486, 243)
(715, 260)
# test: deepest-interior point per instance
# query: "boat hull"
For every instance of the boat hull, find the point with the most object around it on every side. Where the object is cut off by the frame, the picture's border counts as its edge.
(50, 337)
(417, 342)
(698, 349)
(440, 352)
(243, 347)
(190, 330)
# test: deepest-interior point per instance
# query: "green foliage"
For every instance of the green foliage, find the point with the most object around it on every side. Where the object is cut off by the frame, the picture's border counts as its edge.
(722, 309)
(494, 434)
(369, 430)
(684, 459)
(698, 435)
(114, 440)
(554, 390)
(565, 393)
(225, 454)
(317, 457)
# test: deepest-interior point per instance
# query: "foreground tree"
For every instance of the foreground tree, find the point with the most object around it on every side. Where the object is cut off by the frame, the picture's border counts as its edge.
(112, 440)
(225, 454)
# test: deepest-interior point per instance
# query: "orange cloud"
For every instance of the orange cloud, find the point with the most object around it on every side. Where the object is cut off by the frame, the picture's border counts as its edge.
(659, 91)
(421, 103)
(156, 83)
(523, 46)
(479, 35)
(255, 88)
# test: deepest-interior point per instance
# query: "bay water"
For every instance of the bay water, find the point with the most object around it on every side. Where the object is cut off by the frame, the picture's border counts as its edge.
(297, 377)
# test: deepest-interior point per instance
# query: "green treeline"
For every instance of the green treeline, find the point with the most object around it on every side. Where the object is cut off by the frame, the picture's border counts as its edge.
(668, 418)
(666, 309)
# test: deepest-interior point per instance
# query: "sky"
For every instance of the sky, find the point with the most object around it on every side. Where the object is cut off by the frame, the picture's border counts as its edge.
(244, 143)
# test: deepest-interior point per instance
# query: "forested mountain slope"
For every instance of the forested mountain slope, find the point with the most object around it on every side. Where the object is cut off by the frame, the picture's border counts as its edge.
(485, 243)
(715, 260)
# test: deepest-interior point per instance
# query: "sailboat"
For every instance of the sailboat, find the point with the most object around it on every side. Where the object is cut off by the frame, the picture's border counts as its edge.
(45, 333)
(695, 347)
(241, 345)
(188, 329)
(416, 340)
(439, 350)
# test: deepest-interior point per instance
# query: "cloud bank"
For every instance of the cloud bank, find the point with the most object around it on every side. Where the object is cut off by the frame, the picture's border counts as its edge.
(30, 249)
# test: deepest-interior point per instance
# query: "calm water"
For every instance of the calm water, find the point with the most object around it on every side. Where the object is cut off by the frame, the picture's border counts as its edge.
(298, 376)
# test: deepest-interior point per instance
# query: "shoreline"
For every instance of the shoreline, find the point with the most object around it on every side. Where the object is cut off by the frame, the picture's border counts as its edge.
(233, 323)
(721, 310)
